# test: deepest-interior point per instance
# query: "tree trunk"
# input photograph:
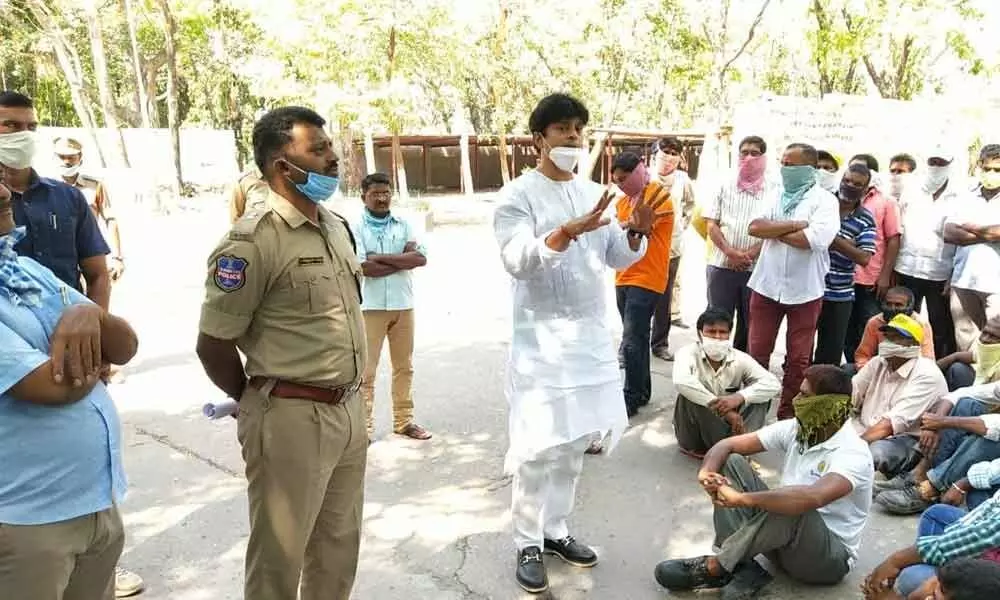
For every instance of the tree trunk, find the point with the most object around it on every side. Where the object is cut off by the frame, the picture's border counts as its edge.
(468, 186)
(69, 63)
(369, 152)
(170, 28)
(140, 85)
(399, 168)
(107, 100)
(503, 152)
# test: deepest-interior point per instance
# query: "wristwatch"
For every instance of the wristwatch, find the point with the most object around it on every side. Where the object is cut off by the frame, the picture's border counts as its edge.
(634, 234)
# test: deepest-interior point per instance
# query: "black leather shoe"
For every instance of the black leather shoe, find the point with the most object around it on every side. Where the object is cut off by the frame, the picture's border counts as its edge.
(748, 581)
(530, 572)
(688, 574)
(572, 552)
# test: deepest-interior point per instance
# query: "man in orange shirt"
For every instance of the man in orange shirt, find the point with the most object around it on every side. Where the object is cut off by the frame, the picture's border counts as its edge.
(639, 287)
(898, 301)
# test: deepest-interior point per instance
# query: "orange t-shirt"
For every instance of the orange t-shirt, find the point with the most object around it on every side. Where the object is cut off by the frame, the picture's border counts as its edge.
(650, 272)
(872, 337)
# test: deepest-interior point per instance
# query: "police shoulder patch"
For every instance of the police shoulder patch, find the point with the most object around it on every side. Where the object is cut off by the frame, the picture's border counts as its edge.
(230, 272)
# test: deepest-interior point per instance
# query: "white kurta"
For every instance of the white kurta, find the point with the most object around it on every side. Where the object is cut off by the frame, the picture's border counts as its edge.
(563, 380)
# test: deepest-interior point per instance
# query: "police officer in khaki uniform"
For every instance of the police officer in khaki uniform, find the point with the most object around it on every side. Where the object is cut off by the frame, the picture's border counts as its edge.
(248, 193)
(70, 154)
(283, 287)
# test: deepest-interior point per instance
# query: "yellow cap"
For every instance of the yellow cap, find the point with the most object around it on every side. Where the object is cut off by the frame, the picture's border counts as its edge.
(906, 326)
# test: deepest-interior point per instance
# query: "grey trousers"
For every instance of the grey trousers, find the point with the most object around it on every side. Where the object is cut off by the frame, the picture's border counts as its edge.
(801, 545)
(896, 455)
(697, 428)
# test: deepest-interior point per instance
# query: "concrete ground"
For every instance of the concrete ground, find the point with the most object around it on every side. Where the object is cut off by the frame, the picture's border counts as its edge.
(436, 513)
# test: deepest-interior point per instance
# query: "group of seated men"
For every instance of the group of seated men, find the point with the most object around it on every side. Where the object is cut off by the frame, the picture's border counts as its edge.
(897, 428)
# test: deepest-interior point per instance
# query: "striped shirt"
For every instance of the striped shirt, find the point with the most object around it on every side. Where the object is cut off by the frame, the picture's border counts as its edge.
(970, 536)
(857, 227)
(734, 209)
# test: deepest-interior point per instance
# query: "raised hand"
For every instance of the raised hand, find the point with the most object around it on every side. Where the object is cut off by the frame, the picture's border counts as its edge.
(592, 220)
(644, 215)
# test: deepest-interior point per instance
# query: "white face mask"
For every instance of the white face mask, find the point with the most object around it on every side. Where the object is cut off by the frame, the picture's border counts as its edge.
(936, 177)
(887, 349)
(565, 158)
(828, 181)
(70, 172)
(716, 349)
(17, 149)
(898, 183)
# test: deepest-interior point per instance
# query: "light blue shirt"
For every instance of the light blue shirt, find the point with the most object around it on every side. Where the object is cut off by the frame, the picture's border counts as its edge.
(59, 462)
(393, 292)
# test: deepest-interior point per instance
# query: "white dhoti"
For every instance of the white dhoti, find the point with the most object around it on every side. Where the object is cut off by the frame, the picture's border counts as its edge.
(563, 380)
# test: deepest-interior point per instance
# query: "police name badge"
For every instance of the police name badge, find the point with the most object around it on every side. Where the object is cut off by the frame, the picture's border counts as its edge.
(230, 273)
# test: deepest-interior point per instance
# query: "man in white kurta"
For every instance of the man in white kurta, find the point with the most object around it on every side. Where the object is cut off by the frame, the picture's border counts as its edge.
(563, 381)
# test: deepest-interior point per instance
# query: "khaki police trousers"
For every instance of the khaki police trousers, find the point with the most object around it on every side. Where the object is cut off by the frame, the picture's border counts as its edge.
(970, 310)
(397, 327)
(69, 560)
(305, 467)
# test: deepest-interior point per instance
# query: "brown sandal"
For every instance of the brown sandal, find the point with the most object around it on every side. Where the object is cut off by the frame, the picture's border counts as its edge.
(415, 432)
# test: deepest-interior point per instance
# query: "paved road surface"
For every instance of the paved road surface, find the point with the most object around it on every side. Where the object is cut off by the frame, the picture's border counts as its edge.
(436, 522)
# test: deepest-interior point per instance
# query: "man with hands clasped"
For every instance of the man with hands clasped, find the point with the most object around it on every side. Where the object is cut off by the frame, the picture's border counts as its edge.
(721, 391)
(810, 526)
(563, 382)
(59, 432)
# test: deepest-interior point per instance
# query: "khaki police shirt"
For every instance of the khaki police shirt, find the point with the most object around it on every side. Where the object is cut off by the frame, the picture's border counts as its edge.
(287, 291)
(249, 193)
(97, 197)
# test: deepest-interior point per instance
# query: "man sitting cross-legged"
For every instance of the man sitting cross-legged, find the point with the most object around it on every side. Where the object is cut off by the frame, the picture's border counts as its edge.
(720, 390)
(810, 526)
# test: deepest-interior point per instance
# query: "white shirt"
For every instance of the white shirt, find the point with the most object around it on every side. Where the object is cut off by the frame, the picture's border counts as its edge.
(734, 209)
(563, 380)
(923, 253)
(901, 396)
(977, 266)
(790, 275)
(845, 454)
(987, 393)
(696, 379)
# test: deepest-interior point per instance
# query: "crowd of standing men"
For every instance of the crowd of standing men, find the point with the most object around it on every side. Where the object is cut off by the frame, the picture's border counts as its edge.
(298, 303)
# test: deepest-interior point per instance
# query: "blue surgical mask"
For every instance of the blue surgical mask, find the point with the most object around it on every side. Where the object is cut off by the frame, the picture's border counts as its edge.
(318, 187)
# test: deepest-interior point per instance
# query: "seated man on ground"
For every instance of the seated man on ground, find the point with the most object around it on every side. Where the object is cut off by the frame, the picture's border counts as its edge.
(721, 391)
(952, 446)
(979, 365)
(891, 394)
(946, 535)
(898, 301)
(810, 526)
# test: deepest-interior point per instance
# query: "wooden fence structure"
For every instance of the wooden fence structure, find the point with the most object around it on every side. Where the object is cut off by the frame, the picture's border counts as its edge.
(475, 163)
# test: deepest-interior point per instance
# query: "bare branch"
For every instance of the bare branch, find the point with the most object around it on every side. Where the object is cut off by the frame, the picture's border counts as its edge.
(750, 35)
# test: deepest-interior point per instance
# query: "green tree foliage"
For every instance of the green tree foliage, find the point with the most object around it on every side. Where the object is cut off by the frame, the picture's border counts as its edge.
(409, 66)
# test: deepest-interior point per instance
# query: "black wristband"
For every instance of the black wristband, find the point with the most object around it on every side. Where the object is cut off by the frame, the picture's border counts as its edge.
(635, 234)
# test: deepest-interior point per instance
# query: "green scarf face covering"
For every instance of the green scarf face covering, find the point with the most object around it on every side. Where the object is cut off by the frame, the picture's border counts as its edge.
(815, 413)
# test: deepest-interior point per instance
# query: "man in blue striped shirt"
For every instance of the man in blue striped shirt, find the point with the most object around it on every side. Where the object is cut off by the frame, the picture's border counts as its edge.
(854, 245)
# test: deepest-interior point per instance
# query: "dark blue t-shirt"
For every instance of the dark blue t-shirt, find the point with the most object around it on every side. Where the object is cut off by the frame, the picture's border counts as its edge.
(61, 228)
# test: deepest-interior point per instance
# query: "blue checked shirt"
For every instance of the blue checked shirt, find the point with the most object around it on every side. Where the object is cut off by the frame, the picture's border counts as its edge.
(394, 292)
(59, 462)
(970, 536)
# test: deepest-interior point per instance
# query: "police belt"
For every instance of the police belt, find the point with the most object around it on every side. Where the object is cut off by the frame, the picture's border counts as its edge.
(301, 391)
